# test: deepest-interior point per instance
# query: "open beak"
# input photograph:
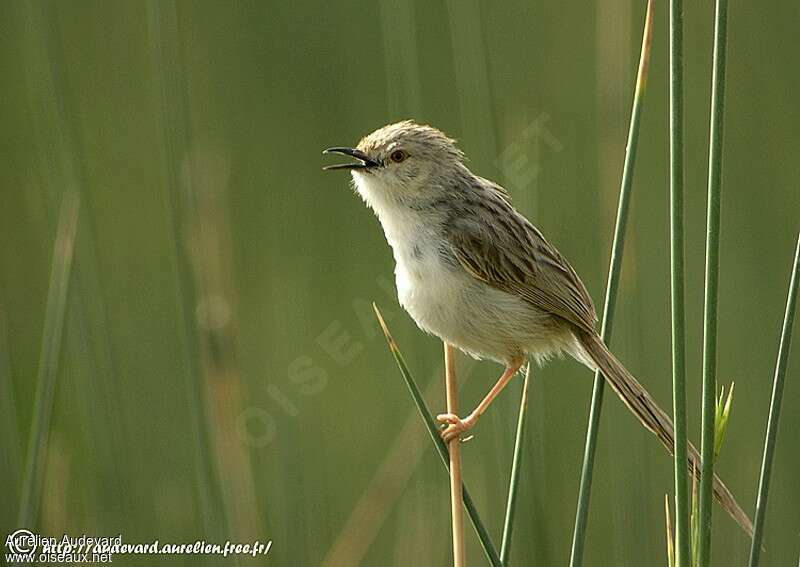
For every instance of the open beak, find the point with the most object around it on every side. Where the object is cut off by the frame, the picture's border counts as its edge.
(364, 161)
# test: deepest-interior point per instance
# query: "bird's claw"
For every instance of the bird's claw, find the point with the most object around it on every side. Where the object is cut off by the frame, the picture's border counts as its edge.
(454, 426)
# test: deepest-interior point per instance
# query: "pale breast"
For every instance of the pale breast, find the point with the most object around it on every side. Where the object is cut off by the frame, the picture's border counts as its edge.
(430, 289)
(448, 302)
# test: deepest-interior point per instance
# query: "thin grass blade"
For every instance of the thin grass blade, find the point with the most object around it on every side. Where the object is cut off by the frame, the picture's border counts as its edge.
(678, 317)
(775, 408)
(587, 470)
(48, 361)
(516, 466)
(427, 418)
(712, 281)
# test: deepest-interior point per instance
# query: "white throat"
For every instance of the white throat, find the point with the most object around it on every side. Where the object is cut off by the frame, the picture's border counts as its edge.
(403, 226)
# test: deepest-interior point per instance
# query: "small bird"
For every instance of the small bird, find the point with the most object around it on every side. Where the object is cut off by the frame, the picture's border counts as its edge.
(474, 272)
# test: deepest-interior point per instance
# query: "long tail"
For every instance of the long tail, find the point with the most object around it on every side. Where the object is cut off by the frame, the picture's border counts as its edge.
(654, 418)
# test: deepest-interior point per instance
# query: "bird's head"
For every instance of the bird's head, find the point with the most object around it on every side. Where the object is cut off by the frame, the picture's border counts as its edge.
(401, 163)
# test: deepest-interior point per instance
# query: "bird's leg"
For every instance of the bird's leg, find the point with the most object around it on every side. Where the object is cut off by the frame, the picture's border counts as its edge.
(456, 426)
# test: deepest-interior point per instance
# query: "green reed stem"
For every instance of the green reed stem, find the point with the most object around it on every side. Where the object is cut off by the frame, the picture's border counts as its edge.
(712, 281)
(427, 418)
(516, 466)
(617, 247)
(682, 541)
(775, 409)
(55, 309)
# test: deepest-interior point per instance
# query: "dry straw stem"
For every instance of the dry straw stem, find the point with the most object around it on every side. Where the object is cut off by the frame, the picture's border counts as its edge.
(579, 534)
(454, 450)
(416, 395)
(670, 541)
(390, 481)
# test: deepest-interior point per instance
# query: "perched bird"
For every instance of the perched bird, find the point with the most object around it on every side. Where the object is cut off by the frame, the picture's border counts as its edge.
(473, 271)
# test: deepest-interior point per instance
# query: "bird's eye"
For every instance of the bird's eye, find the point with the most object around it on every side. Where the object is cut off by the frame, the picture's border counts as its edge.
(398, 155)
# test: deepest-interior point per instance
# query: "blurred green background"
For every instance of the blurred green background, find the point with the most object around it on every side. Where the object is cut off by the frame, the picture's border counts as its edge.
(221, 373)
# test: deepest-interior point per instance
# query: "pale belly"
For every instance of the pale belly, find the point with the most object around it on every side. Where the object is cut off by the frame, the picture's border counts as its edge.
(448, 302)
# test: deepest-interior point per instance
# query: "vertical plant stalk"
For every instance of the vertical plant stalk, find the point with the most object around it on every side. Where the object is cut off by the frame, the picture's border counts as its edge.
(676, 122)
(425, 413)
(712, 281)
(454, 450)
(513, 485)
(55, 309)
(775, 408)
(617, 247)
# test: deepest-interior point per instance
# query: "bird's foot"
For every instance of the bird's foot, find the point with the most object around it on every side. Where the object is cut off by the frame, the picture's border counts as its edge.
(455, 425)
